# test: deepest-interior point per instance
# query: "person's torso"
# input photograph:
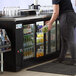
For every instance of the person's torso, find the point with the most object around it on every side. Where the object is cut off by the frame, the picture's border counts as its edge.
(65, 5)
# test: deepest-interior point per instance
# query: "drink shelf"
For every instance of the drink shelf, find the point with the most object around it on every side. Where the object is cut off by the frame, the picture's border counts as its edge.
(28, 45)
(40, 44)
(27, 57)
(5, 50)
(29, 33)
(5, 46)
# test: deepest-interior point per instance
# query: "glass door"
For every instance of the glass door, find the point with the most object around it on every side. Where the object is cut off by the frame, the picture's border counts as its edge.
(29, 46)
(39, 39)
(53, 38)
(58, 36)
(47, 43)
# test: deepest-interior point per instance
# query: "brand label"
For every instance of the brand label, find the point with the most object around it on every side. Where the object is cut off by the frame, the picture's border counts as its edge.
(18, 26)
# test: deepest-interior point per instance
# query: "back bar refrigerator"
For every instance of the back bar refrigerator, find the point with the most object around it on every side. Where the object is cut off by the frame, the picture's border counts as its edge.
(29, 42)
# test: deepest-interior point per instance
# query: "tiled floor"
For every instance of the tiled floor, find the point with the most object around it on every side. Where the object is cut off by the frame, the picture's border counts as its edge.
(45, 69)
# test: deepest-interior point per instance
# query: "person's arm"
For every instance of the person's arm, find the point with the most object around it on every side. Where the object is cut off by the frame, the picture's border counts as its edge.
(54, 15)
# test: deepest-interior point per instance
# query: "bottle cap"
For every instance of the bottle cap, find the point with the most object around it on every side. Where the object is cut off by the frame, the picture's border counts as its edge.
(40, 26)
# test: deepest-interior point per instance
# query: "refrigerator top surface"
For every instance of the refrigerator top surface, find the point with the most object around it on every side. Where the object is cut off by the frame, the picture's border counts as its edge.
(22, 18)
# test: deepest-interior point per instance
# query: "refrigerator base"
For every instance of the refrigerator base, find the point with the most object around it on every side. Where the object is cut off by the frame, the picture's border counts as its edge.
(35, 61)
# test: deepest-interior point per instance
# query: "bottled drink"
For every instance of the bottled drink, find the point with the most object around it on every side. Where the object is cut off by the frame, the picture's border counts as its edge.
(26, 40)
(0, 41)
(25, 52)
(3, 40)
(40, 26)
(44, 29)
(38, 51)
(31, 52)
(41, 51)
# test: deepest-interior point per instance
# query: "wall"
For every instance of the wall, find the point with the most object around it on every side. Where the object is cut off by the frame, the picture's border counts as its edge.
(45, 2)
(12, 3)
(22, 3)
(74, 4)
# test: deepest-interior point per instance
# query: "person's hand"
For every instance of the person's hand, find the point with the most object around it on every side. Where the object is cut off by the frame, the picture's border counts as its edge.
(46, 22)
(49, 25)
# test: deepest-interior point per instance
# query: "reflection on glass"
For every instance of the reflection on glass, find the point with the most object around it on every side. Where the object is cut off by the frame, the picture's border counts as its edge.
(47, 43)
(53, 38)
(58, 36)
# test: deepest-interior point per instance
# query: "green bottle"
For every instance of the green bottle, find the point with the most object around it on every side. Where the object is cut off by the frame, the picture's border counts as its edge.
(44, 29)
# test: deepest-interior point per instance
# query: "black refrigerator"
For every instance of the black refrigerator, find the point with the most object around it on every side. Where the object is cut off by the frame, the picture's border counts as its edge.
(29, 43)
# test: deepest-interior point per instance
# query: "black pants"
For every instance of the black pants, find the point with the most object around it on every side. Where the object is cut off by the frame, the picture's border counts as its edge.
(67, 26)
